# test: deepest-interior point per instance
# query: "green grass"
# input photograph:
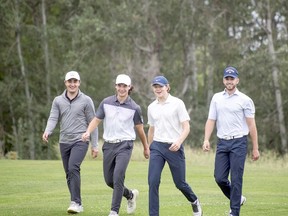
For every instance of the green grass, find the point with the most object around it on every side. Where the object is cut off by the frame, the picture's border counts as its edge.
(39, 187)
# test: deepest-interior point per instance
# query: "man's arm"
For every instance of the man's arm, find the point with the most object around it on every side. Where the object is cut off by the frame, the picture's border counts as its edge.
(143, 138)
(209, 127)
(91, 127)
(254, 138)
(51, 122)
(94, 143)
(185, 132)
(150, 134)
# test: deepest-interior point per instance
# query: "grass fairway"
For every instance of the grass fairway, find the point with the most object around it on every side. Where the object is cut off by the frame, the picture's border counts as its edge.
(39, 187)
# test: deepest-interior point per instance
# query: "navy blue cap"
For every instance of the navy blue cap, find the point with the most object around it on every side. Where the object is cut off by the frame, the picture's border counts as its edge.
(230, 72)
(160, 80)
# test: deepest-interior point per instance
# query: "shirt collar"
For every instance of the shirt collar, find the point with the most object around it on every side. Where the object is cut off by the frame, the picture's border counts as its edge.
(125, 102)
(65, 94)
(235, 93)
(168, 99)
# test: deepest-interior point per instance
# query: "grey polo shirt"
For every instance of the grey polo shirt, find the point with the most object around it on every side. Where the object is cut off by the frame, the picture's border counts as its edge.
(230, 113)
(118, 118)
(74, 117)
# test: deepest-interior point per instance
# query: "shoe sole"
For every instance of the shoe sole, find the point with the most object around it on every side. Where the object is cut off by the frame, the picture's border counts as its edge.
(70, 211)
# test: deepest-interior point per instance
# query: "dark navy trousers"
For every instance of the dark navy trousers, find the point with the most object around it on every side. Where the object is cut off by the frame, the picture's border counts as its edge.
(230, 157)
(159, 154)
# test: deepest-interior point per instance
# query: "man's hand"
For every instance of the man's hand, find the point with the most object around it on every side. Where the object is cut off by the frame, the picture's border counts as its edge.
(94, 152)
(146, 153)
(45, 137)
(255, 155)
(86, 136)
(175, 146)
(206, 145)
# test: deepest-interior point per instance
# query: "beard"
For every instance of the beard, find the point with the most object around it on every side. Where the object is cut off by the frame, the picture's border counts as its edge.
(230, 87)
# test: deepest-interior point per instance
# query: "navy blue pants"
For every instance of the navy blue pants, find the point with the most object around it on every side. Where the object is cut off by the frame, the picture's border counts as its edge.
(72, 157)
(230, 157)
(159, 154)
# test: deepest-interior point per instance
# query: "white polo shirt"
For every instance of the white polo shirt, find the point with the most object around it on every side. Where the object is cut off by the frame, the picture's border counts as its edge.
(230, 113)
(167, 118)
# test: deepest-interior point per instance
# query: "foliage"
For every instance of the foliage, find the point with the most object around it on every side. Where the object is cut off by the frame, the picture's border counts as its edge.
(189, 41)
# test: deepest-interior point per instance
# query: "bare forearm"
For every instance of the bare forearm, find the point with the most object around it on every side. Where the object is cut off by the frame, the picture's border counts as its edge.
(209, 127)
(254, 138)
(93, 124)
(150, 134)
(142, 136)
(185, 132)
(253, 132)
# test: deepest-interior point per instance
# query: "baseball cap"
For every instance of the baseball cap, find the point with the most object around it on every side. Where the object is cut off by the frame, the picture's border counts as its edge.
(160, 80)
(72, 75)
(123, 79)
(230, 72)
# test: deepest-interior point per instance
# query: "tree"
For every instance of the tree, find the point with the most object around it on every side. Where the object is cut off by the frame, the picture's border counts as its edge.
(188, 41)
(26, 81)
(275, 75)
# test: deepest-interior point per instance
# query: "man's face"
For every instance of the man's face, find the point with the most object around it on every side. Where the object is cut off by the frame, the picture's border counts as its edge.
(230, 83)
(72, 85)
(122, 89)
(160, 91)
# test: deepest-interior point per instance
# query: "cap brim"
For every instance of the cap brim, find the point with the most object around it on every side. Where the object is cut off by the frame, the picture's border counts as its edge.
(122, 83)
(71, 78)
(230, 76)
(158, 83)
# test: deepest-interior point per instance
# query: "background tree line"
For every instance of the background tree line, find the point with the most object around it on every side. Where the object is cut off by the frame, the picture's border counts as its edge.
(189, 41)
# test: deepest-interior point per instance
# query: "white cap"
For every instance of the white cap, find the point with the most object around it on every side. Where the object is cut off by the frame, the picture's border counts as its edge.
(124, 79)
(72, 75)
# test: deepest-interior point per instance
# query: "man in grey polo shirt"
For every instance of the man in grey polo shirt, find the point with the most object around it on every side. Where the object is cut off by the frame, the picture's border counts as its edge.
(120, 115)
(74, 110)
(233, 112)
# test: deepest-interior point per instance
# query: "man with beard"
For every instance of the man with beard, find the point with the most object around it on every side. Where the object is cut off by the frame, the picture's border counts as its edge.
(233, 112)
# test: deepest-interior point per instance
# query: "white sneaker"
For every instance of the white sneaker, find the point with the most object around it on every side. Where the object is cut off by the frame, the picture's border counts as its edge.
(131, 203)
(197, 210)
(75, 208)
(243, 200)
(113, 213)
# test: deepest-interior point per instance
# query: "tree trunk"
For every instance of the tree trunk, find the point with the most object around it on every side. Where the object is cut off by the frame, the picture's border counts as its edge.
(47, 62)
(26, 83)
(275, 77)
(46, 52)
(190, 85)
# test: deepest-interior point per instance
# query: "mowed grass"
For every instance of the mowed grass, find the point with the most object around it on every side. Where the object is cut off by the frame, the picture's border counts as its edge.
(39, 187)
